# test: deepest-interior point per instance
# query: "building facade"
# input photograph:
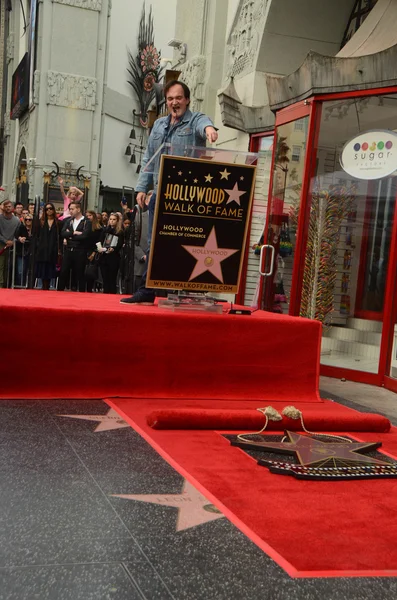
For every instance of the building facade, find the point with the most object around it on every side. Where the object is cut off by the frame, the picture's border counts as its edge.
(55, 82)
(120, 100)
(68, 108)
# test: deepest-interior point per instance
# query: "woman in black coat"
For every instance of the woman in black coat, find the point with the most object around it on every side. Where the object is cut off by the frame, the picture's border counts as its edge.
(49, 246)
(23, 237)
(112, 242)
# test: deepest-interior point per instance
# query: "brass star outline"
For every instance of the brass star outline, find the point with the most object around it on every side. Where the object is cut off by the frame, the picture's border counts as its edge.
(310, 451)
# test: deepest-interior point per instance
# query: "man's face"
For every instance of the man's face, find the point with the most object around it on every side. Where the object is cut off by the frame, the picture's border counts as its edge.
(7, 208)
(18, 210)
(25, 212)
(31, 209)
(74, 211)
(177, 104)
(105, 217)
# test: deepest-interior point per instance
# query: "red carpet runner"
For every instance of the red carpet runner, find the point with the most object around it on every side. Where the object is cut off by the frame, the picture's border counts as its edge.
(144, 351)
(311, 529)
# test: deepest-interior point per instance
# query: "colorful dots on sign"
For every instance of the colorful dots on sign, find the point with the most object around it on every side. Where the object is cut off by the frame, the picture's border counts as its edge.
(375, 145)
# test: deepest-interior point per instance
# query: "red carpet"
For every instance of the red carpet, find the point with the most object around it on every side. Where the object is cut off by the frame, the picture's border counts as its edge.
(145, 351)
(311, 529)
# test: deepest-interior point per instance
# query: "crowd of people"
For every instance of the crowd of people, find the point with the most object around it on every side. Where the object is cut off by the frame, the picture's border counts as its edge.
(83, 250)
(87, 252)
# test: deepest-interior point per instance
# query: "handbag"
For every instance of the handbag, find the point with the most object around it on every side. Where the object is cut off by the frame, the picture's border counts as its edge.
(91, 271)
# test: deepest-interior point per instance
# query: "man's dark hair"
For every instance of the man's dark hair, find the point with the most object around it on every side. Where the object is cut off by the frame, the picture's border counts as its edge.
(19, 204)
(31, 204)
(170, 84)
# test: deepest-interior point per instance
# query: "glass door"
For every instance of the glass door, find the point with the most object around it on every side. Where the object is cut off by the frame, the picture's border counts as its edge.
(280, 239)
(348, 229)
(262, 144)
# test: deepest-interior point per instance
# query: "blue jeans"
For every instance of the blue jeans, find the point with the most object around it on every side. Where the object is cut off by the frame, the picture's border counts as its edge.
(22, 270)
(151, 206)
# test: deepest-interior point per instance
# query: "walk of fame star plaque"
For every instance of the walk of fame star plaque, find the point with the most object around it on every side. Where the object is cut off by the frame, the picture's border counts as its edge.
(200, 225)
(315, 459)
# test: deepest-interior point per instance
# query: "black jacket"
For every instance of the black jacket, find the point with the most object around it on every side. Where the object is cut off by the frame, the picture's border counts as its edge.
(19, 247)
(96, 236)
(80, 242)
(109, 234)
(49, 243)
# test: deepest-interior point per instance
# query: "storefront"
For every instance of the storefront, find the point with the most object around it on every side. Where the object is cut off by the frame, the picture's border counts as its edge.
(330, 240)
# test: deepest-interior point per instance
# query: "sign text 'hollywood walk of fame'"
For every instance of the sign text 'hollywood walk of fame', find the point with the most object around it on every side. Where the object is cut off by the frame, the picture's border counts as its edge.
(200, 225)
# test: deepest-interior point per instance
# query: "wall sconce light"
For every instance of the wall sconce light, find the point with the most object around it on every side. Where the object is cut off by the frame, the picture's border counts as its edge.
(138, 169)
(133, 159)
(128, 151)
(132, 133)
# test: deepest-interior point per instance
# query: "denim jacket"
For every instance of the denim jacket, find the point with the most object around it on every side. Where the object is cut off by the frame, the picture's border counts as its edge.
(189, 131)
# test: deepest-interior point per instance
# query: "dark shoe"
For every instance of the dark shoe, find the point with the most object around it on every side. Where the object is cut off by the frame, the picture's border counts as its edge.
(140, 297)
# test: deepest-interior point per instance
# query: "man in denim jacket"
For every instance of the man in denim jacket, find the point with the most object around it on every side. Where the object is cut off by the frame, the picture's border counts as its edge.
(181, 128)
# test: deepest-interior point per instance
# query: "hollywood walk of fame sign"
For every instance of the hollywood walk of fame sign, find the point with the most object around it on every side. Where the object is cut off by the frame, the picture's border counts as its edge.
(320, 460)
(193, 508)
(111, 420)
(200, 225)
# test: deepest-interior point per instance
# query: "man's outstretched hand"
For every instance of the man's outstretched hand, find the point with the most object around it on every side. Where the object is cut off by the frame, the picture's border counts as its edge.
(211, 134)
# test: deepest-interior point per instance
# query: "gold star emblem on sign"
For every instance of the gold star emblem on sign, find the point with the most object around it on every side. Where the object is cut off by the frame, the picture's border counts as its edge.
(208, 178)
(224, 174)
(209, 257)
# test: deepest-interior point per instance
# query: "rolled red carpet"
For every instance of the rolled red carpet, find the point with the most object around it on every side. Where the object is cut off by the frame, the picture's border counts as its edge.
(252, 420)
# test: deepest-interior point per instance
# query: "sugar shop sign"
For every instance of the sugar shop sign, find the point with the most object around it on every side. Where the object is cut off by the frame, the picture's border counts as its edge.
(371, 155)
